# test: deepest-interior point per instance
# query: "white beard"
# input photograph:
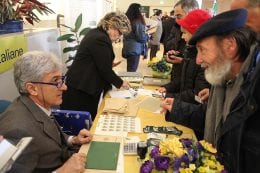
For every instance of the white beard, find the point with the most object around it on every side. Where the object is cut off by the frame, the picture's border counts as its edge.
(218, 74)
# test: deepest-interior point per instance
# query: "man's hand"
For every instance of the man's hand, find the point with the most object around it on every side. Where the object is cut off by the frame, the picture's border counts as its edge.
(173, 59)
(75, 164)
(204, 94)
(161, 89)
(167, 105)
(83, 137)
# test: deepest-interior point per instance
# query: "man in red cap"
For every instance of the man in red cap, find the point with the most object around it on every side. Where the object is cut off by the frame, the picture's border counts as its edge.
(175, 42)
(192, 79)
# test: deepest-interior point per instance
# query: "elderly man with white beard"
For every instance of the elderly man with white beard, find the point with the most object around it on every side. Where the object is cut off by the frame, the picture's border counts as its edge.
(230, 54)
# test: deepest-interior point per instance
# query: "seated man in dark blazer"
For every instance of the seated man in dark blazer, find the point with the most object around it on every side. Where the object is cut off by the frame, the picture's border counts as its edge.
(38, 78)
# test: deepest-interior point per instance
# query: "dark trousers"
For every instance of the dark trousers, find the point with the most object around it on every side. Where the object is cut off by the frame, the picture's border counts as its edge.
(74, 99)
(132, 63)
(153, 51)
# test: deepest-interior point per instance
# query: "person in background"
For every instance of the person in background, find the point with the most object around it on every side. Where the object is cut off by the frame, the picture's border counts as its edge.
(165, 16)
(181, 9)
(156, 36)
(192, 79)
(38, 78)
(230, 54)
(253, 8)
(167, 26)
(91, 73)
(134, 43)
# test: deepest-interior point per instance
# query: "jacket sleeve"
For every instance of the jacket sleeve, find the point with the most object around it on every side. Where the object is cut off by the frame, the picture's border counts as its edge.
(199, 84)
(189, 115)
(101, 51)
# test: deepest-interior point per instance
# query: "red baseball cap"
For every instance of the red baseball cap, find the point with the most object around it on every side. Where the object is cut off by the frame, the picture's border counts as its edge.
(192, 21)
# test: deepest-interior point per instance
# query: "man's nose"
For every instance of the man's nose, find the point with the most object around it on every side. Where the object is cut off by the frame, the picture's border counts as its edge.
(199, 60)
(64, 87)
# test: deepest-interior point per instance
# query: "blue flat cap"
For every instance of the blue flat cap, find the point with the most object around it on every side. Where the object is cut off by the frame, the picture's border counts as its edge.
(220, 24)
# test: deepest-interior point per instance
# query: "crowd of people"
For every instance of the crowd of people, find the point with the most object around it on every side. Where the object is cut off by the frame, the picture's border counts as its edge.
(215, 58)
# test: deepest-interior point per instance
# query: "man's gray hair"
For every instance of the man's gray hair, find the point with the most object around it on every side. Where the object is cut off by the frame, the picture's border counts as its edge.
(117, 20)
(254, 3)
(33, 66)
(187, 5)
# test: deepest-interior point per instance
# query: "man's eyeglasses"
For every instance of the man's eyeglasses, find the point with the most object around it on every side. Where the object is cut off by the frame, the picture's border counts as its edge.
(58, 84)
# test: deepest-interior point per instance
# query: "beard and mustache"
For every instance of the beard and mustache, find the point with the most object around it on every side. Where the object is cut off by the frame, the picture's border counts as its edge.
(219, 72)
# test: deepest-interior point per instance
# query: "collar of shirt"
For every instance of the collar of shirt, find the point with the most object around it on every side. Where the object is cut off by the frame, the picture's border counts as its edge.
(48, 112)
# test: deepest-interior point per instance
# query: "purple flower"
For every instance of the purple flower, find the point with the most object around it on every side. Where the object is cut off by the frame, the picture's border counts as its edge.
(192, 154)
(154, 152)
(183, 162)
(146, 167)
(162, 163)
(186, 142)
(224, 171)
(199, 146)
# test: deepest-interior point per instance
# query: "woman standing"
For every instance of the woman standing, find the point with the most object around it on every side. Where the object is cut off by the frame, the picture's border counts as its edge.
(91, 72)
(134, 43)
(156, 36)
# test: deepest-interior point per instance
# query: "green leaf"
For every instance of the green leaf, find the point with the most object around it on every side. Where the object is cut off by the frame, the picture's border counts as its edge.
(84, 31)
(78, 22)
(65, 37)
(71, 40)
(68, 49)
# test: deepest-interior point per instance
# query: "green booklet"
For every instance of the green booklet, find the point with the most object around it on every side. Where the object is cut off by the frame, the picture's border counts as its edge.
(102, 155)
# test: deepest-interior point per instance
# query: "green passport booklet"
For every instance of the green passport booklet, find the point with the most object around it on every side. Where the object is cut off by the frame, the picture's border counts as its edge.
(103, 155)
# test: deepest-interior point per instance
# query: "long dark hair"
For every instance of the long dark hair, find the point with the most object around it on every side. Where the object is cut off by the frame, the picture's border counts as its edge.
(134, 13)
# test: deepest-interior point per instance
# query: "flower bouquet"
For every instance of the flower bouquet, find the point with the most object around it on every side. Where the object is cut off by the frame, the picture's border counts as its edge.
(183, 156)
(161, 69)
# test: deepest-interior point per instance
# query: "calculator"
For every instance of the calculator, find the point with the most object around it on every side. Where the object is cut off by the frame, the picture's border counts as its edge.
(130, 148)
(130, 145)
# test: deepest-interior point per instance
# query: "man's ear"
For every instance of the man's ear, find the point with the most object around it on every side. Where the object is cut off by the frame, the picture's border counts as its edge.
(230, 47)
(32, 89)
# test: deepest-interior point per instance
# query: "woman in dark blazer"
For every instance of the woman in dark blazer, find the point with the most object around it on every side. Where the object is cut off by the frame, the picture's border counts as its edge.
(91, 72)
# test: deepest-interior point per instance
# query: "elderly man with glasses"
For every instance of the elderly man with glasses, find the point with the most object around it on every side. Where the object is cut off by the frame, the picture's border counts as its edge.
(38, 78)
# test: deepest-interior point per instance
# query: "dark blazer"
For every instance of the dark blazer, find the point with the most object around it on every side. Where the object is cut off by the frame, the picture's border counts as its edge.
(167, 26)
(48, 149)
(91, 71)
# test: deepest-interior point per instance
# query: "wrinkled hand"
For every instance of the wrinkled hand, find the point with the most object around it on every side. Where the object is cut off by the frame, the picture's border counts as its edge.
(125, 85)
(167, 105)
(173, 59)
(204, 94)
(83, 137)
(116, 63)
(75, 164)
(161, 89)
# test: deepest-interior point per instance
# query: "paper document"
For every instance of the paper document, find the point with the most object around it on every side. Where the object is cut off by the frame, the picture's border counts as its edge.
(151, 104)
(122, 94)
(9, 153)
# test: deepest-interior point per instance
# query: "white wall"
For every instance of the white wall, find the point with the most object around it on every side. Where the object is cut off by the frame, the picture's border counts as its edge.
(122, 5)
